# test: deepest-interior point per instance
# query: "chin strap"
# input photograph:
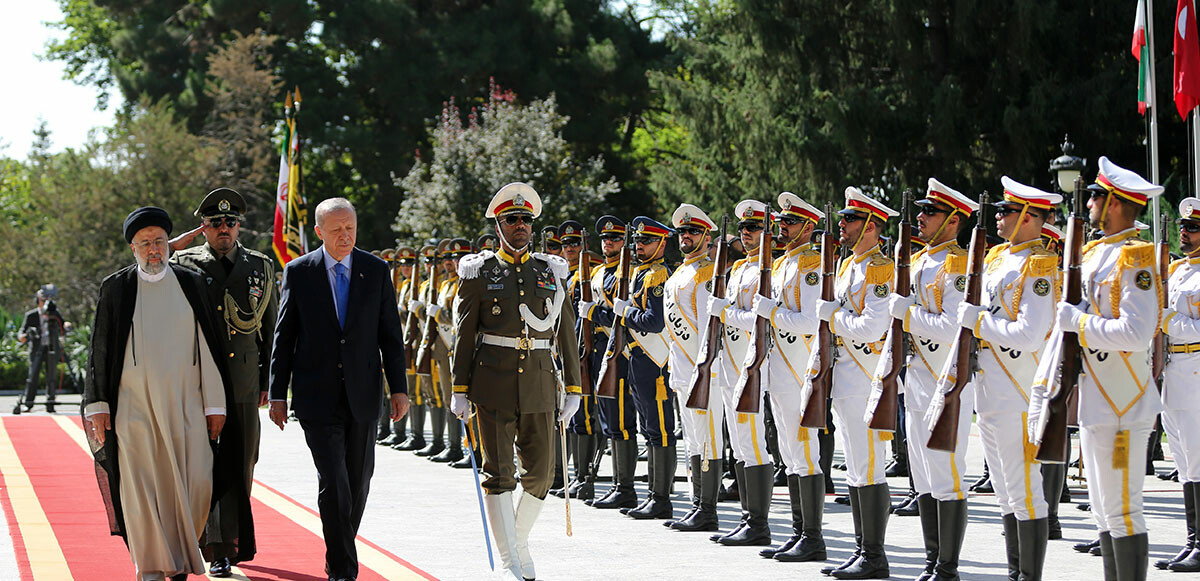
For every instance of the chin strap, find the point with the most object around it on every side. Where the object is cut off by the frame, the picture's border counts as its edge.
(1012, 239)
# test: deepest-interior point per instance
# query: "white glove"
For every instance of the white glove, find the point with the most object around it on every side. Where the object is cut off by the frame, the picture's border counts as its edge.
(968, 314)
(1167, 313)
(764, 306)
(433, 310)
(414, 305)
(619, 306)
(898, 305)
(585, 309)
(825, 309)
(459, 405)
(717, 305)
(1068, 317)
(570, 406)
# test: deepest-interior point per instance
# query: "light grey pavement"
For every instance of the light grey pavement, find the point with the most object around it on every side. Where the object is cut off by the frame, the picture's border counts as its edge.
(427, 514)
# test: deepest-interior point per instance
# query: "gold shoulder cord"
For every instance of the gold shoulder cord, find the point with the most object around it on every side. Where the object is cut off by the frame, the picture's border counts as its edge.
(247, 322)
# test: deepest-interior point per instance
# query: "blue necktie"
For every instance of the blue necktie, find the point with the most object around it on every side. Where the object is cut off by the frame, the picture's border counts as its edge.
(341, 291)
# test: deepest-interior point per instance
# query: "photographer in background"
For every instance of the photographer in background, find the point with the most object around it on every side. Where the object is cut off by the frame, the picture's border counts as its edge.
(43, 330)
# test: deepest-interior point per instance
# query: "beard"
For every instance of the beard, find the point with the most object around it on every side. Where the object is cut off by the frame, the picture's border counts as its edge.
(151, 267)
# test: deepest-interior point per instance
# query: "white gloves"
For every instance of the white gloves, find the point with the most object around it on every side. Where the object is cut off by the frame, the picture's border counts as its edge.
(898, 305)
(717, 305)
(459, 405)
(585, 309)
(619, 306)
(414, 305)
(433, 310)
(764, 306)
(968, 314)
(570, 406)
(825, 309)
(1068, 317)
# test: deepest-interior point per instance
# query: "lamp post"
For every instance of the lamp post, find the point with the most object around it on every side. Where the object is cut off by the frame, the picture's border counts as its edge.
(1066, 168)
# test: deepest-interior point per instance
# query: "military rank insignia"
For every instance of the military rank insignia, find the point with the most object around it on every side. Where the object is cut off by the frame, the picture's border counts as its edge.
(658, 291)
(881, 290)
(812, 278)
(1143, 280)
(1041, 287)
(960, 283)
(255, 281)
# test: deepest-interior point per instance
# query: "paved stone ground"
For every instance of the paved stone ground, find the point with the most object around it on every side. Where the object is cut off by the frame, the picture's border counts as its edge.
(428, 514)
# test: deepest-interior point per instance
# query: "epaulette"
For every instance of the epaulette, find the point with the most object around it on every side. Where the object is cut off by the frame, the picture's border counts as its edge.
(995, 252)
(775, 263)
(1090, 246)
(736, 264)
(1042, 265)
(558, 264)
(255, 253)
(1137, 254)
(880, 269)
(656, 275)
(808, 260)
(470, 265)
(917, 256)
(956, 260)
(705, 273)
(1175, 264)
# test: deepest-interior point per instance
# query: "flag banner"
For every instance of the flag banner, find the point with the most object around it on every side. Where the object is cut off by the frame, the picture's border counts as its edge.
(291, 213)
(1186, 86)
(1141, 51)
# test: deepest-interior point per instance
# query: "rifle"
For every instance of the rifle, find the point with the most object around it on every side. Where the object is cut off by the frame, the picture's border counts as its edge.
(429, 330)
(607, 386)
(585, 327)
(944, 435)
(887, 409)
(710, 345)
(1158, 353)
(817, 408)
(1053, 448)
(412, 327)
(750, 396)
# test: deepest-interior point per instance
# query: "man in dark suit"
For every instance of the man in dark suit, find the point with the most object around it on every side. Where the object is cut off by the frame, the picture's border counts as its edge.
(337, 324)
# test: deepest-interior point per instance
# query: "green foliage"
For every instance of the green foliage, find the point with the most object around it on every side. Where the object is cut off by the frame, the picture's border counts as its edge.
(501, 142)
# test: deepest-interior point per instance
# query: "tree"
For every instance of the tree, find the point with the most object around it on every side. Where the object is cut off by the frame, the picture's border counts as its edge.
(501, 142)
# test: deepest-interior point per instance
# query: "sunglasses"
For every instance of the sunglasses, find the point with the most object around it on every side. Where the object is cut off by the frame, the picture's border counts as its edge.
(790, 220)
(575, 244)
(612, 237)
(1002, 212)
(553, 246)
(852, 218)
(512, 220)
(750, 226)
(932, 211)
(228, 221)
(1190, 227)
(644, 240)
(1097, 193)
(690, 231)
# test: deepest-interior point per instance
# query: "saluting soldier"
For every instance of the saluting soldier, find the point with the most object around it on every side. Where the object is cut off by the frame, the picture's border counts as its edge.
(511, 313)
(240, 283)
(420, 384)
(1021, 283)
(583, 439)
(686, 304)
(930, 314)
(403, 263)
(859, 318)
(442, 314)
(753, 469)
(795, 288)
(1121, 311)
(617, 416)
(645, 321)
(1180, 399)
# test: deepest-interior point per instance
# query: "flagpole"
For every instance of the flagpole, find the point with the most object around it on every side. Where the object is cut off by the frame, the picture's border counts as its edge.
(1196, 151)
(1153, 137)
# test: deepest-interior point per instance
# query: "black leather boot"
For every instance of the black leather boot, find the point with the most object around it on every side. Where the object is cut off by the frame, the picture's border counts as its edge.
(739, 480)
(662, 475)
(453, 449)
(416, 438)
(1189, 510)
(811, 546)
(1110, 560)
(649, 477)
(793, 485)
(873, 503)
(1054, 477)
(622, 494)
(855, 518)
(1191, 563)
(437, 420)
(952, 527)
(929, 531)
(759, 481)
(1033, 536)
(705, 517)
(1012, 546)
(984, 481)
(399, 433)
(694, 476)
(1132, 554)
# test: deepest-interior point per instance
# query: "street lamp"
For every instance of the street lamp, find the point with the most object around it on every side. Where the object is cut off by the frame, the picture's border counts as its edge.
(1066, 167)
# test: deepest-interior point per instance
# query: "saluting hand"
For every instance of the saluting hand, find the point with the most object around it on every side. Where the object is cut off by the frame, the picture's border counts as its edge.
(184, 240)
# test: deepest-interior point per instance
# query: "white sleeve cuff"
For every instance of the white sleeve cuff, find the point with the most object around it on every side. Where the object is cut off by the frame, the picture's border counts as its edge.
(96, 407)
(214, 411)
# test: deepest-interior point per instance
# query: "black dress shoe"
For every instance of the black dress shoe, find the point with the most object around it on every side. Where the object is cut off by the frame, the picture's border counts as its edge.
(50, 410)
(842, 500)
(221, 567)
(179, 577)
(1086, 547)
(907, 507)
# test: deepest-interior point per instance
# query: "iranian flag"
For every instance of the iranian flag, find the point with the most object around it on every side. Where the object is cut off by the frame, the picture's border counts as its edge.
(289, 240)
(1141, 51)
(1186, 84)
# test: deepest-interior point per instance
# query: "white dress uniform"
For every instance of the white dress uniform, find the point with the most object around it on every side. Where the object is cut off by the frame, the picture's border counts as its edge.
(938, 282)
(747, 433)
(1180, 398)
(686, 303)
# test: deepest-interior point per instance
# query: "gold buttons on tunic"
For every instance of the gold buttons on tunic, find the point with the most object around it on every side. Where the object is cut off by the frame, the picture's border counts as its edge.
(520, 370)
(496, 310)
(522, 293)
(231, 354)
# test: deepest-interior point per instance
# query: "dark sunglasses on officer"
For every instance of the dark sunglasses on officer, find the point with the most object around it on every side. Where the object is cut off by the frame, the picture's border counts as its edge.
(227, 221)
(750, 226)
(553, 246)
(573, 243)
(1189, 226)
(645, 240)
(611, 237)
(513, 219)
(690, 230)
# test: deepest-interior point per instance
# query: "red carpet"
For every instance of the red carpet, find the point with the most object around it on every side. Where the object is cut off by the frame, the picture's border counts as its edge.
(63, 478)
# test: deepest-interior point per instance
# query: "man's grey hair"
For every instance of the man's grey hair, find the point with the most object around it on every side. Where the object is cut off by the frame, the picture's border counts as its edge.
(333, 205)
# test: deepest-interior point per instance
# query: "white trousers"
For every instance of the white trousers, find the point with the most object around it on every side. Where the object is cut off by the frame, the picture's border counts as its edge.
(937, 472)
(702, 434)
(1183, 435)
(747, 435)
(1115, 488)
(865, 451)
(797, 445)
(1016, 476)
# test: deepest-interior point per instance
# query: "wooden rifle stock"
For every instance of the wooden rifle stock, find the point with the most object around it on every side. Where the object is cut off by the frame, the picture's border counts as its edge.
(412, 328)
(1158, 354)
(608, 383)
(944, 435)
(1053, 448)
(585, 327)
(429, 330)
(887, 410)
(714, 334)
(750, 399)
(817, 408)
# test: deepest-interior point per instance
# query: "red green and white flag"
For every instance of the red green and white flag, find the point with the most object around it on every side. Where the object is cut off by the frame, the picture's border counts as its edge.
(291, 214)
(1141, 51)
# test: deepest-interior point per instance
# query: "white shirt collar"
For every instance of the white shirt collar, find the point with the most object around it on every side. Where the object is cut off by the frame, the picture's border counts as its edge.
(152, 277)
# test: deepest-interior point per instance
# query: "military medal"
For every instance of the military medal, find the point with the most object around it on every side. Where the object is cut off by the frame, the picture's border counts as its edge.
(495, 310)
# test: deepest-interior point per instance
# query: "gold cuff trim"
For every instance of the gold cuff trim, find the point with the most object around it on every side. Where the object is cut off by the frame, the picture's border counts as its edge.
(1082, 324)
(460, 389)
(574, 389)
(978, 323)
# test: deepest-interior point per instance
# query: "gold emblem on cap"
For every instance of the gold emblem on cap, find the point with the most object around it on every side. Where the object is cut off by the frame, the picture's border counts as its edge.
(608, 225)
(223, 205)
(1188, 214)
(518, 200)
(748, 213)
(641, 228)
(570, 230)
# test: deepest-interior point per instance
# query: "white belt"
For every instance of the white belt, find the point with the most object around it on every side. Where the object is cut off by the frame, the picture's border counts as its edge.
(522, 343)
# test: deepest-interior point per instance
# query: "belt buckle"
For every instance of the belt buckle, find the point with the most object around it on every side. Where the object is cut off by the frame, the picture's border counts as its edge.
(525, 343)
